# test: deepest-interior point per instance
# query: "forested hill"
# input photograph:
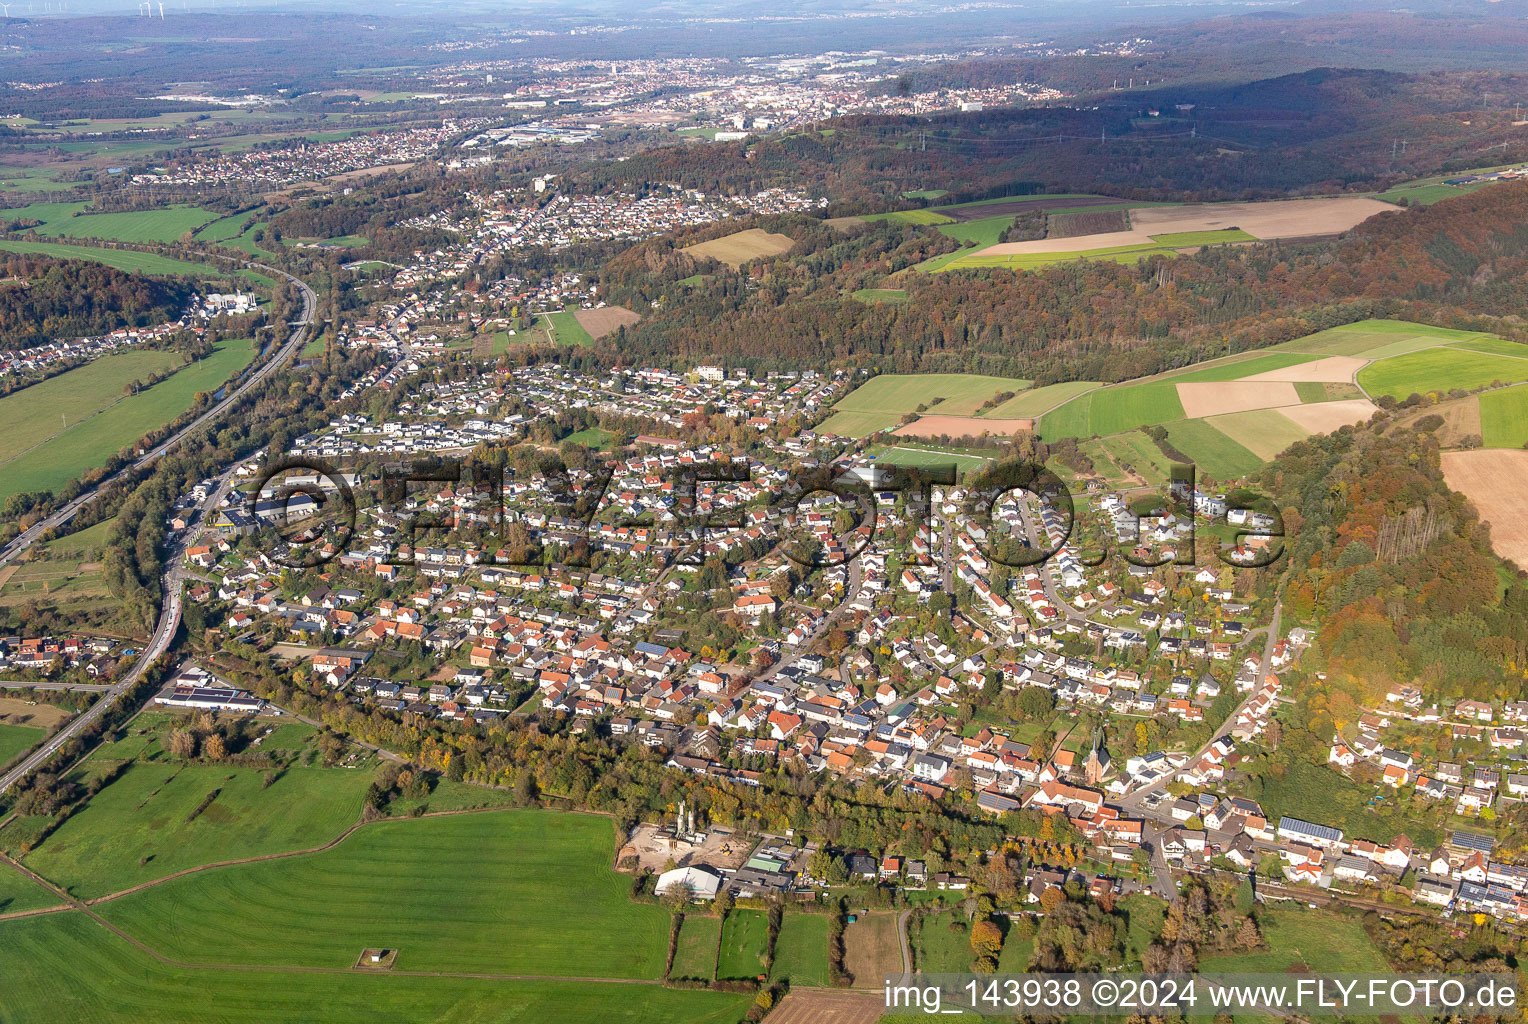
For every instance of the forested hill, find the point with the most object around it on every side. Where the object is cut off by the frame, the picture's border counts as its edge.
(1463, 262)
(1317, 132)
(1398, 572)
(44, 299)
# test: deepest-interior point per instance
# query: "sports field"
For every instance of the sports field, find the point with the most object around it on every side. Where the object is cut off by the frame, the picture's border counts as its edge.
(740, 247)
(65, 220)
(135, 829)
(514, 892)
(88, 442)
(77, 970)
(881, 402)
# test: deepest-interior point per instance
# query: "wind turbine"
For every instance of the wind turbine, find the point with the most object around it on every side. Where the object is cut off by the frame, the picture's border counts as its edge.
(161, 10)
(7, 11)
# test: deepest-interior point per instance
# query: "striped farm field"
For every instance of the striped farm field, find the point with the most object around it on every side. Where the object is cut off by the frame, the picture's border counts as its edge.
(1439, 369)
(1504, 417)
(1263, 432)
(1212, 451)
(510, 891)
(75, 970)
(1367, 337)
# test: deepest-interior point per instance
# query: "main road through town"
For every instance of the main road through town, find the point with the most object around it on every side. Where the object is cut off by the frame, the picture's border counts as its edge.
(169, 611)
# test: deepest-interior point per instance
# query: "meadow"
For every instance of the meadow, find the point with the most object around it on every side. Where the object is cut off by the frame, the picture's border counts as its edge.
(18, 893)
(801, 950)
(740, 247)
(60, 582)
(136, 829)
(89, 442)
(882, 401)
(76, 970)
(514, 892)
(695, 956)
(1439, 369)
(16, 738)
(744, 936)
(34, 414)
(1317, 940)
(1112, 410)
(65, 220)
(121, 259)
(1212, 451)
(562, 329)
(1504, 417)
(1039, 400)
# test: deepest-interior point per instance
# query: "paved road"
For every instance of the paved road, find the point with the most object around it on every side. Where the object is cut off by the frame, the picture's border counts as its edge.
(293, 345)
(175, 572)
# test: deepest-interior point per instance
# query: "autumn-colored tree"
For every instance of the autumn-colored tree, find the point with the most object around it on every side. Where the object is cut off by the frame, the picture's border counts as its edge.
(986, 938)
(183, 743)
(213, 748)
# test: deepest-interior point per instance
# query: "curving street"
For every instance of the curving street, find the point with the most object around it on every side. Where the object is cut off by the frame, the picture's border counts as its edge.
(174, 574)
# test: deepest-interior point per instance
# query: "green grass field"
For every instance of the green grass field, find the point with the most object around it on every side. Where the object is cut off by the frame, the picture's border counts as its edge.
(801, 950)
(18, 892)
(121, 259)
(1235, 368)
(1215, 237)
(1320, 940)
(896, 296)
(1263, 432)
(57, 581)
(88, 442)
(76, 970)
(1039, 400)
(91, 541)
(1213, 452)
(16, 738)
(744, 934)
(515, 892)
(59, 220)
(562, 329)
(939, 949)
(1504, 417)
(1136, 451)
(32, 415)
(696, 955)
(1112, 411)
(922, 458)
(1439, 369)
(882, 401)
(1366, 337)
(135, 829)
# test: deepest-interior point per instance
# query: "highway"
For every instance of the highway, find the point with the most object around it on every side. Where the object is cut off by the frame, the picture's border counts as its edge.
(293, 345)
(174, 572)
